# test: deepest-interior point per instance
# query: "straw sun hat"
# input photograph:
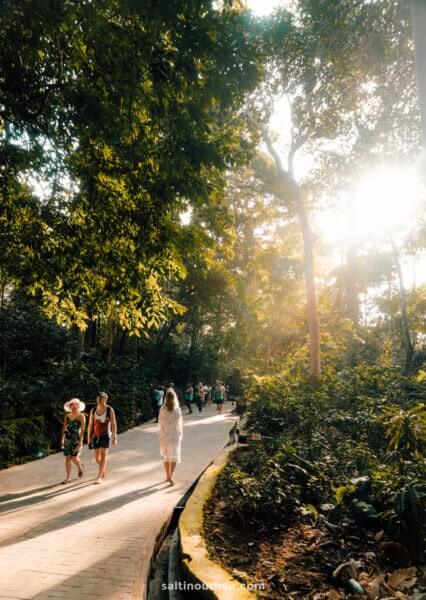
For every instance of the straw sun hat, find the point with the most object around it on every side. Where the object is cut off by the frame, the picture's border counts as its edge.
(67, 405)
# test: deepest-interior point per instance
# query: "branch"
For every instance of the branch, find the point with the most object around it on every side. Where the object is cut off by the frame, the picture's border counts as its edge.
(283, 173)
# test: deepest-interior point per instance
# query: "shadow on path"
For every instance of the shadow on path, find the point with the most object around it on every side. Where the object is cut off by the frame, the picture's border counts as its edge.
(10, 507)
(80, 583)
(83, 513)
(7, 497)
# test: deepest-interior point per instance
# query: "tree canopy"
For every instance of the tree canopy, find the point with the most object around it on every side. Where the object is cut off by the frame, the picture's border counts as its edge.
(121, 115)
(147, 187)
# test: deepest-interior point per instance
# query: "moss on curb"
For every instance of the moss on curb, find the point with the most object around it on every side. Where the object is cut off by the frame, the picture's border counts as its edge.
(198, 568)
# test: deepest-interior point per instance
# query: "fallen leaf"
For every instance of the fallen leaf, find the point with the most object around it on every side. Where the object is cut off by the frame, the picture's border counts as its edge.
(330, 595)
(379, 535)
(373, 587)
(402, 579)
(333, 595)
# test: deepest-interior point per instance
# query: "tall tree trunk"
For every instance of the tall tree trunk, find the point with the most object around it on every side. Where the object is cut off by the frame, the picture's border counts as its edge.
(408, 343)
(163, 335)
(3, 282)
(311, 295)
(122, 341)
(351, 287)
(90, 333)
(110, 330)
(4, 358)
(418, 12)
(194, 336)
(292, 192)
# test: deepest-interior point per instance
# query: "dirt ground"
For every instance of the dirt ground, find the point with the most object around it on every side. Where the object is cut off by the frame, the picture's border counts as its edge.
(299, 562)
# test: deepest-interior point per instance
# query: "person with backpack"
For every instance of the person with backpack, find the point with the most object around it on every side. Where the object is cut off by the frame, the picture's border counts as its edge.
(188, 396)
(101, 430)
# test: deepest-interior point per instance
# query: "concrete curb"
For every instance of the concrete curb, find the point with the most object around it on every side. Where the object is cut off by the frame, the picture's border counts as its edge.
(198, 569)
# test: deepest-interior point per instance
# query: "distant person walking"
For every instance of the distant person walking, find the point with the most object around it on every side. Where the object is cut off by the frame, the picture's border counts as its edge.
(102, 428)
(188, 397)
(72, 436)
(170, 433)
(158, 400)
(199, 396)
(207, 391)
(219, 396)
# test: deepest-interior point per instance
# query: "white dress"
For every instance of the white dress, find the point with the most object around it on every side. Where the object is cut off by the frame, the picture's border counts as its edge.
(170, 433)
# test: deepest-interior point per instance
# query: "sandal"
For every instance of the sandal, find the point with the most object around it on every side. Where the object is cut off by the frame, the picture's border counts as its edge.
(81, 471)
(66, 481)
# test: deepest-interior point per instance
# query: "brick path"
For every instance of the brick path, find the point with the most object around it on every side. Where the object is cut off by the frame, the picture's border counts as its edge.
(85, 541)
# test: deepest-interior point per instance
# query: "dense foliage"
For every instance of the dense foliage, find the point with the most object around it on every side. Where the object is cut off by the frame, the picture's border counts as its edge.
(115, 117)
(144, 237)
(351, 451)
(42, 367)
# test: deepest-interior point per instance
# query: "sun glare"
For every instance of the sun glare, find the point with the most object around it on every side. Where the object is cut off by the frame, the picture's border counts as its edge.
(383, 202)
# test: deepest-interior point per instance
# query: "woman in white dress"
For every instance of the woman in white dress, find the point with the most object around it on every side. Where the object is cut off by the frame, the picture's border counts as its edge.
(170, 433)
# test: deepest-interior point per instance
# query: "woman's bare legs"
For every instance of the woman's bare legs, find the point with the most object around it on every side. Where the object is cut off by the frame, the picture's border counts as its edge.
(167, 469)
(68, 469)
(98, 455)
(98, 459)
(101, 459)
(172, 467)
(76, 460)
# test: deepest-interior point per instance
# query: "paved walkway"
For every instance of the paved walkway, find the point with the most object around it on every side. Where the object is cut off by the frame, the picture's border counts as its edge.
(85, 541)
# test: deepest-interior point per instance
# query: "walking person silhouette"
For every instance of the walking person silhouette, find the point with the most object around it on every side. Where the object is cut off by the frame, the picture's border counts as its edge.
(102, 428)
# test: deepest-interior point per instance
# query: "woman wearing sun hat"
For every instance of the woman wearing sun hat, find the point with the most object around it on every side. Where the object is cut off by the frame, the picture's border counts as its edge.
(72, 435)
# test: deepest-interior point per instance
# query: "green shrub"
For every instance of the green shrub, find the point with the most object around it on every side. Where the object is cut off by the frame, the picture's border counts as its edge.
(363, 424)
(261, 493)
(25, 438)
(125, 383)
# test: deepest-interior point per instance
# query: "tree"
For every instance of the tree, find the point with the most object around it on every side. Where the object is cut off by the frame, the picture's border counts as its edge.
(292, 194)
(340, 65)
(266, 265)
(125, 112)
(243, 285)
(418, 11)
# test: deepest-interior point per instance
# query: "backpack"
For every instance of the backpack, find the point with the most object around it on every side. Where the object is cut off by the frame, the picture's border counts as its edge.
(158, 396)
(108, 415)
(218, 393)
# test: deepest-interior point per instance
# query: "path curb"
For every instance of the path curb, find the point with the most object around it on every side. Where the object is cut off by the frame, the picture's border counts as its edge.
(209, 579)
